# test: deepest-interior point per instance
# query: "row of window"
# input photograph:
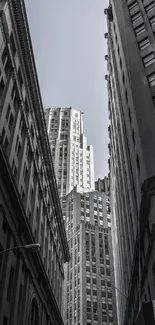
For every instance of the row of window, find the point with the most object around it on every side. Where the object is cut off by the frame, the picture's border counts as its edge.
(26, 163)
(149, 58)
(103, 270)
(144, 43)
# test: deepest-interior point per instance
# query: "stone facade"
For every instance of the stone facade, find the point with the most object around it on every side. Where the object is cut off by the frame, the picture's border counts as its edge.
(131, 90)
(31, 282)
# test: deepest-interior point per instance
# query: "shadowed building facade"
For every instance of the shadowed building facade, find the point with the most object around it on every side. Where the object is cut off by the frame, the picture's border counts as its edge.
(131, 90)
(31, 283)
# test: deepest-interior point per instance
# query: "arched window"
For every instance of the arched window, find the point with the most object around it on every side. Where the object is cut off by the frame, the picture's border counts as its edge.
(34, 314)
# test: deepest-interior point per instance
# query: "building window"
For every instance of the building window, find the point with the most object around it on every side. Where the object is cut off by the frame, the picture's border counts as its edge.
(94, 281)
(10, 122)
(149, 59)
(13, 44)
(152, 21)
(108, 283)
(123, 78)
(88, 303)
(133, 6)
(8, 113)
(136, 16)
(110, 319)
(151, 79)
(109, 295)
(20, 298)
(87, 268)
(10, 284)
(34, 313)
(88, 291)
(109, 307)
(104, 318)
(94, 269)
(2, 86)
(140, 29)
(138, 164)
(133, 137)
(108, 272)
(150, 7)
(126, 95)
(20, 77)
(144, 43)
(6, 60)
(102, 270)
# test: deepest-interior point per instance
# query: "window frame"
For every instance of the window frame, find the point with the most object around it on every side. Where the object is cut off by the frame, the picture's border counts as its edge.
(148, 59)
(140, 30)
(144, 43)
(135, 17)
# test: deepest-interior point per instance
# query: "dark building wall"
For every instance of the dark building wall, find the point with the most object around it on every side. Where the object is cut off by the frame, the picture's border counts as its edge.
(146, 315)
(131, 67)
(31, 282)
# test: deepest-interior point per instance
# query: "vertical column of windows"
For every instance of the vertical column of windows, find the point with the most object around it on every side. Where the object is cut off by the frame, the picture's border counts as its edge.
(95, 210)
(17, 145)
(88, 170)
(6, 60)
(149, 58)
(2, 87)
(10, 283)
(87, 247)
(87, 208)
(8, 128)
(101, 250)
(93, 247)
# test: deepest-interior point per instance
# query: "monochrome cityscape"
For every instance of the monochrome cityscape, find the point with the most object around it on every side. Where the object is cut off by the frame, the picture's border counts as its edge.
(76, 250)
(89, 293)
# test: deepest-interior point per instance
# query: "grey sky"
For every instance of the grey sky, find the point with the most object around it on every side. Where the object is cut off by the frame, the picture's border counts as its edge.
(69, 46)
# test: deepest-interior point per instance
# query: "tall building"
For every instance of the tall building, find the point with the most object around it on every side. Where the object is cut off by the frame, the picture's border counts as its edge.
(31, 283)
(89, 296)
(103, 185)
(131, 89)
(73, 159)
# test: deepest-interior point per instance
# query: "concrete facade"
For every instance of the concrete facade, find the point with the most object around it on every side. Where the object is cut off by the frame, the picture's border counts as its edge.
(131, 89)
(31, 283)
(89, 277)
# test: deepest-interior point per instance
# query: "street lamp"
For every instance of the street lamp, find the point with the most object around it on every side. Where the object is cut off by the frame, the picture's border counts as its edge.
(33, 247)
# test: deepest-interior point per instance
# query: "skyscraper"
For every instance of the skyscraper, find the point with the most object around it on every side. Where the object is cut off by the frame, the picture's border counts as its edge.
(103, 185)
(89, 295)
(31, 282)
(73, 158)
(131, 89)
